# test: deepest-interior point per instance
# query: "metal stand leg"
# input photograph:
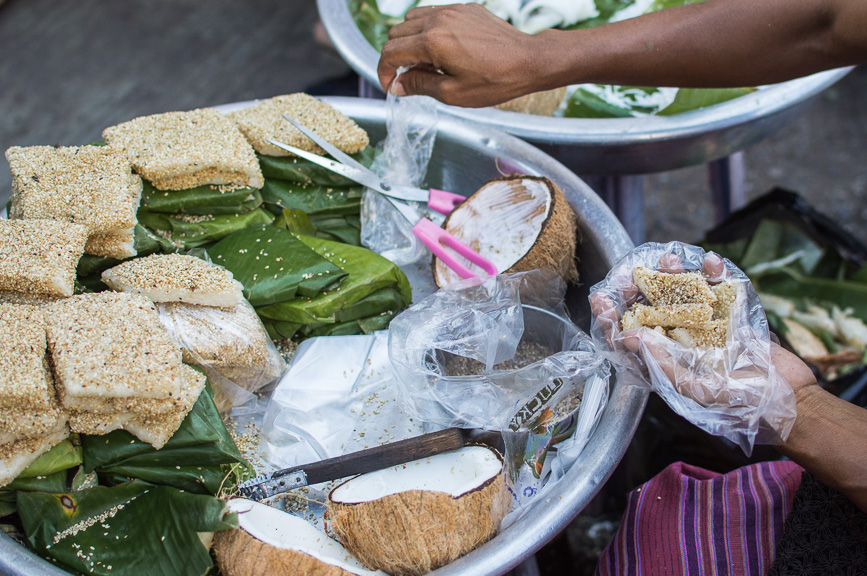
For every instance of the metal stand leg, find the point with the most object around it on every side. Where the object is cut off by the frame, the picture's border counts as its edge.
(726, 181)
(368, 90)
(625, 196)
(528, 567)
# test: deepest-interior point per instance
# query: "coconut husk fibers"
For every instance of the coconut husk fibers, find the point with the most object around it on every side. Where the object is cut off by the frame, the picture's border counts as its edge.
(543, 103)
(554, 249)
(414, 532)
(239, 554)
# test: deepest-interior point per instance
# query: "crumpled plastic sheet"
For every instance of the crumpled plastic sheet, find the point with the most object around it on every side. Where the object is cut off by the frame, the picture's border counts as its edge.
(412, 127)
(230, 345)
(734, 392)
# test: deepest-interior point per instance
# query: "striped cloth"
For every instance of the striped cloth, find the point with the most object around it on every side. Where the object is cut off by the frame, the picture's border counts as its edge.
(690, 521)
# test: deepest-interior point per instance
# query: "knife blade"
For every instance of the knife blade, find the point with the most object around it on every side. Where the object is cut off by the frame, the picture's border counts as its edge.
(376, 458)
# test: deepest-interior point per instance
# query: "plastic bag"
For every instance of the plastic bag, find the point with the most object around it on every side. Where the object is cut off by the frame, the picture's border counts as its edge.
(731, 391)
(406, 151)
(230, 345)
(502, 354)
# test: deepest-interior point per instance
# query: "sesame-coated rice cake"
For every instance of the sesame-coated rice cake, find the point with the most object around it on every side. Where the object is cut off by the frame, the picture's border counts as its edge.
(18, 455)
(110, 345)
(88, 185)
(40, 256)
(181, 150)
(264, 120)
(25, 381)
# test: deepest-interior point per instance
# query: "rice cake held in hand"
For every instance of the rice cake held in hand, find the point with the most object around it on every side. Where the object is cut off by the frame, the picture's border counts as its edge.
(176, 278)
(40, 256)
(264, 120)
(110, 345)
(180, 150)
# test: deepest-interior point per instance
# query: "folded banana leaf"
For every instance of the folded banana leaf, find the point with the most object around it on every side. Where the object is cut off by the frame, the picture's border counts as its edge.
(133, 528)
(345, 229)
(193, 231)
(694, 98)
(145, 241)
(312, 199)
(368, 272)
(300, 170)
(61, 457)
(191, 460)
(280, 330)
(274, 265)
(207, 199)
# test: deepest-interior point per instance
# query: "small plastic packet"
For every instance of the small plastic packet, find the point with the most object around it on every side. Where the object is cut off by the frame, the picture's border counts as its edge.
(689, 325)
(406, 151)
(230, 345)
(502, 354)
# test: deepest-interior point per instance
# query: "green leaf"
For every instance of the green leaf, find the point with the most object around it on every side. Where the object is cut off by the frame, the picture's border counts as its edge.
(207, 199)
(298, 222)
(133, 528)
(145, 241)
(311, 198)
(280, 330)
(63, 456)
(584, 104)
(55, 482)
(274, 265)
(378, 322)
(192, 231)
(694, 98)
(368, 272)
(790, 283)
(300, 170)
(8, 502)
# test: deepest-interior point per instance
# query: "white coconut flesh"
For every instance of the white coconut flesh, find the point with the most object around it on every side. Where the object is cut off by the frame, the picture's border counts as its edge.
(454, 473)
(502, 222)
(281, 530)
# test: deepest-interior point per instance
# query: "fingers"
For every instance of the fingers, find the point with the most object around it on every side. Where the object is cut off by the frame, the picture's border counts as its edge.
(670, 263)
(408, 51)
(715, 267)
(422, 81)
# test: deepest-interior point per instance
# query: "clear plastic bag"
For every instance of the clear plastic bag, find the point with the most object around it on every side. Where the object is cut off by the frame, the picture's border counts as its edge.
(230, 345)
(732, 390)
(412, 127)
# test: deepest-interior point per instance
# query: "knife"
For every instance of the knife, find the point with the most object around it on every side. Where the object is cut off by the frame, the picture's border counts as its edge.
(376, 458)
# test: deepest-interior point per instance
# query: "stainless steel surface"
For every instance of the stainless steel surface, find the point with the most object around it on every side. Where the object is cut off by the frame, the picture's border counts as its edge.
(465, 157)
(618, 145)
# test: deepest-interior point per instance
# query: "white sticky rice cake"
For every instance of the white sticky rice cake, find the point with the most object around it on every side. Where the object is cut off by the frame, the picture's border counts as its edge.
(264, 120)
(25, 299)
(118, 245)
(18, 455)
(110, 345)
(181, 150)
(40, 256)
(176, 278)
(88, 185)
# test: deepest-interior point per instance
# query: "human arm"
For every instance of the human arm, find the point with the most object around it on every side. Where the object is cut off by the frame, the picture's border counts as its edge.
(715, 43)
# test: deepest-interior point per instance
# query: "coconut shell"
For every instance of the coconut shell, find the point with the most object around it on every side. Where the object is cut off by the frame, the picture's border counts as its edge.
(555, 246)
(240, 554)
(414, 532)
(538, 103)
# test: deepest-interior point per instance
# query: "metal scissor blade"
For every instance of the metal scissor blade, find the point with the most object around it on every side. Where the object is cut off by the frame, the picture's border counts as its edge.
(365, 177)
(335, 152)
(405, 209)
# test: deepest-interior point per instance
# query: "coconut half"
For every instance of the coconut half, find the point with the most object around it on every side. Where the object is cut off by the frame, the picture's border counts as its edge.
(270, 541)
(518, 223)
(416, 517)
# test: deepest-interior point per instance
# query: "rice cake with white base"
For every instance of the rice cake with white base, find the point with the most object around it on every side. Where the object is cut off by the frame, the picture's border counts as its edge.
(15, 457)
(40, 256)
(264, 120)
(176, 278)
(181, 150)
(111, 345)
(25, 381)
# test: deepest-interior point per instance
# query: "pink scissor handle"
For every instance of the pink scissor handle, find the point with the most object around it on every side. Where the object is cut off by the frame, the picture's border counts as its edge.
(438, 239)
(442, 201)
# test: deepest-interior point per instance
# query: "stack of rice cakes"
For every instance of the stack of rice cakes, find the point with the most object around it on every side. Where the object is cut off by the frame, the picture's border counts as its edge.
(203, 308)
(88, 185)
(683, 307)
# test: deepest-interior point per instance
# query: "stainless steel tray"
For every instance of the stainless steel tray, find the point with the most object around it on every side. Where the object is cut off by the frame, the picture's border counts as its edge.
(464, 158)
(618, 145)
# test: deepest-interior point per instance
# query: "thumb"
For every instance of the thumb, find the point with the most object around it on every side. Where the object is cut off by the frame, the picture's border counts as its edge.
(418, 82)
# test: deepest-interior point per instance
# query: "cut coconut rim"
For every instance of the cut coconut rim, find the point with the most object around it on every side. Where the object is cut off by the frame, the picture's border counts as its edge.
(504, 221)
(282, 530)
(455, 473)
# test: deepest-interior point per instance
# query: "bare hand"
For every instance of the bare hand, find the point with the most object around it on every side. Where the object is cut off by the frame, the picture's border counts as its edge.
(461, 55)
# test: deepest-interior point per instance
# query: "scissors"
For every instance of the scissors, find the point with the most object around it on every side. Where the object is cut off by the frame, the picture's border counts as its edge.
(434, 237)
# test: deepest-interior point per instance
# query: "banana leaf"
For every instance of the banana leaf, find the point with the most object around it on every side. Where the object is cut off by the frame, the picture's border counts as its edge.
(373, 24)
(145, 241)
(56, 482)
(188, 231)
(61, 457)
(313, 199)
(190, 460)
(378, 322)
(345, 229)
(133, 528)
(694, 98)
(368, 272)
(301, 170)
(207, 199)
(280, 330)
(584, 103)
(8, 502)
(328, 329)
(298, 222)
(792, 284)
(289, 267)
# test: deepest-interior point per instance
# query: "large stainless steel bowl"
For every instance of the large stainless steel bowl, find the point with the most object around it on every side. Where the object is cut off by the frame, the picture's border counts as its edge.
(619, 145)
(465, 157)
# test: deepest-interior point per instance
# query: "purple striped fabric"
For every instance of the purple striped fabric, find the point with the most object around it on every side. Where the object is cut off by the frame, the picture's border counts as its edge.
(692, 522)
